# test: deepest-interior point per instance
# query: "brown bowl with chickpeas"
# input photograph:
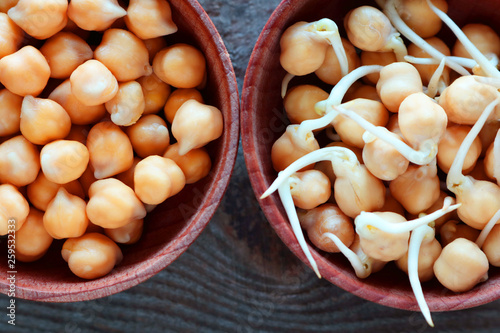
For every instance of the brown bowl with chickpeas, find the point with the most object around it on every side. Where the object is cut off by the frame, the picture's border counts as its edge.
(371, 140)
(118, 138)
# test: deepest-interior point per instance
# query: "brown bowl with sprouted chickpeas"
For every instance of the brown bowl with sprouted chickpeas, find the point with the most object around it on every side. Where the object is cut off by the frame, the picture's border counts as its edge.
(373, 145)
(119, 135)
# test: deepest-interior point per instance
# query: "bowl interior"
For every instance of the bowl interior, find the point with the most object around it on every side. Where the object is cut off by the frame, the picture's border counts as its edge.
(172, 226)
(265, 121)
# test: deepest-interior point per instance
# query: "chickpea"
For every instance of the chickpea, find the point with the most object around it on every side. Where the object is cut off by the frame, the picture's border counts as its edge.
(63, 161)
(149, 136)
(64, 52)
(180, 65)
(352, 133)
(157, 178)
(154, 45)
(128, 234)
(32, 240)
(113, 204)
(383, 160)
(196, 124)
(93, 84)
(310, 189)
(110, 150)
(10, 112)
(420, 18)
(155, 92)
(327, 218)
(449, 145)
(330, 71)
(11, 36)
(299, 102)
(490, 246)
(417, 189)
(40, 18)
(19, 161)
(376, 58)
(41, 191)
(127, 177)
(43, 120)
(128, 104)
(483, 37)
(195, 165)
(453, 229)
(124, 54)
(95, 15)
(25, 72)
(65, 216)
(79, 113)
(398, 81)
(150, 18)
(13, 205)
(461, 265)
(177, 98)
(91, 256)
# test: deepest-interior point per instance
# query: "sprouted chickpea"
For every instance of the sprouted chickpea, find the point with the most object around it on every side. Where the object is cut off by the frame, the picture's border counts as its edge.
(492, 159)
(483, 37)
(113, 204)
(64, 52)
(326, 166)
(157, 178)
(450, 144)
(25, 72)
(19, 161)
(32, 240)
(91, 256)
(331, 70)
(299, 102)
(65, 216)
(196, 124)
(43, 120)
(110, 150)
(488, 240)
(40, 18)
(420, 18)
(124, 54)
(461, 265)
(195, 164)
(95, 15)
(11, 36)
(370, 30)
(92, 83)
(13, 205)
(480, 199)
(376, 58)
(10, 112)
(453, 229)
(156, 93)
(180, 65)
(304, 46)
(128, 234)
(127, 106)
(324, 219)
(42, 191)
(150, 18)
(309, 188)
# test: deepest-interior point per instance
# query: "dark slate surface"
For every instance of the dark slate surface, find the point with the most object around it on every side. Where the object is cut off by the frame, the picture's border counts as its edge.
(237, 276)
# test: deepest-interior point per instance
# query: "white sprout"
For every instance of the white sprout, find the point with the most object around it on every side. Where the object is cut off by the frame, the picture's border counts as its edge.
(435, 83)
(496, 157)
(423, 232)
(415, 156)
(402, 27)
(487, 229)
(455, 176)
(365, 220)
(480, 58)
(362, 268)
(284, 84)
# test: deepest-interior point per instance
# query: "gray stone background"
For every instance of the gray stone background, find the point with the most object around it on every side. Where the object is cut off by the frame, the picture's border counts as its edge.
(237, 276)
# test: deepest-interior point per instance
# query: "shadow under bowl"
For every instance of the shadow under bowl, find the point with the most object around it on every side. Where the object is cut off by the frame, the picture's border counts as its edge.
(265, 121)
(172, 226)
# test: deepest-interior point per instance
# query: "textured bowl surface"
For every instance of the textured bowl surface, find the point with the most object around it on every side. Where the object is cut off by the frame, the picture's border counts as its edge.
(265, 121)
(175, 224)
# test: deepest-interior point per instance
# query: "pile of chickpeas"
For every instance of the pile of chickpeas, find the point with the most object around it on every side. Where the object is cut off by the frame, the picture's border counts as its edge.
(90, 96)
(410, 171)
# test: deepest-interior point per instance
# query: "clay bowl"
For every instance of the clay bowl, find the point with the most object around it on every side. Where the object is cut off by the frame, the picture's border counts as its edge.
(175, 224)
(265, 121)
